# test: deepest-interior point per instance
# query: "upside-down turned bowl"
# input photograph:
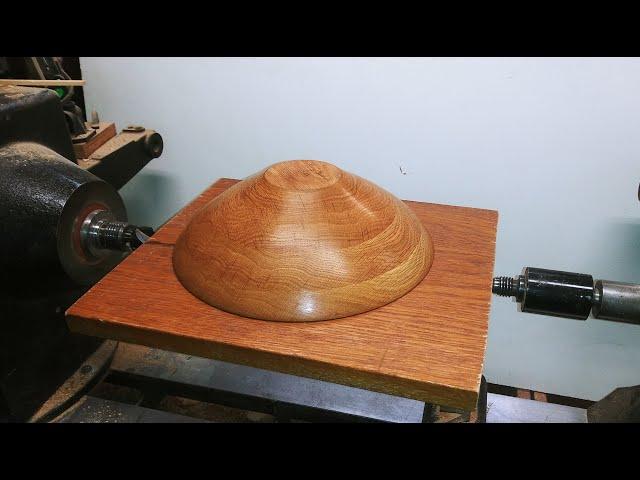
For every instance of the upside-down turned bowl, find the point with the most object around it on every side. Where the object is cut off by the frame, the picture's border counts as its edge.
(302, 240)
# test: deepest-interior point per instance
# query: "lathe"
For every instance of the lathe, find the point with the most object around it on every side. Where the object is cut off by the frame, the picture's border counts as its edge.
(63, 226)
(64, 230)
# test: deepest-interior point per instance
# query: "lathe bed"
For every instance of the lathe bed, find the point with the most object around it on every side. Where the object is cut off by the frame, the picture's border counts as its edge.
(428, 345)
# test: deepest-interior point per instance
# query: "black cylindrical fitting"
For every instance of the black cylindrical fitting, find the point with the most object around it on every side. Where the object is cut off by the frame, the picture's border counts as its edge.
(552, 292)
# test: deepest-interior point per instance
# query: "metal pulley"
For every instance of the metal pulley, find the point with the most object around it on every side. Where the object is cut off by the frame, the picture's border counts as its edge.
(56, 216)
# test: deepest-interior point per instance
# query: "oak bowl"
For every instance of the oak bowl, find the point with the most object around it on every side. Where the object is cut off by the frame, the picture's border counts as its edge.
(302, 240)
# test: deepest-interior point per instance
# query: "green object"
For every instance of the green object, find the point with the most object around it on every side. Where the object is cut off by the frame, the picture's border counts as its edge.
(60, 91)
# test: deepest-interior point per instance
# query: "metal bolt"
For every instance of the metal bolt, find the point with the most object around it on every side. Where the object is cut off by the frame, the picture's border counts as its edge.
(100, 232)
(95, 120)
(508, 286)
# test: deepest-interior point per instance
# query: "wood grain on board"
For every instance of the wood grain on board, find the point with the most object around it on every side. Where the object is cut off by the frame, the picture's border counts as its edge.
(428, 345)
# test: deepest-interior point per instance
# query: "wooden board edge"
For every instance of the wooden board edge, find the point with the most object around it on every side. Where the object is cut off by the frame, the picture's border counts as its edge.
(439, 394)
(495, 220)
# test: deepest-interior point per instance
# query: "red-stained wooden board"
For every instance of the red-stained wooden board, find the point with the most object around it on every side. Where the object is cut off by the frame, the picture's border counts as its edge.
(428, 345)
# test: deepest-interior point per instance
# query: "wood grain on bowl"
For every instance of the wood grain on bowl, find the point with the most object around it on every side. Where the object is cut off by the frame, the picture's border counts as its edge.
(302, 241)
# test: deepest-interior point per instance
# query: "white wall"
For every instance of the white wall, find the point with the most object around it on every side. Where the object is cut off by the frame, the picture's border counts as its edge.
(552, 144)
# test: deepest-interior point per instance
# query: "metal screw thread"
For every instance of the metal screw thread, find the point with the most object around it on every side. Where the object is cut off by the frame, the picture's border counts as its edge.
(505, 286)
(111, 235)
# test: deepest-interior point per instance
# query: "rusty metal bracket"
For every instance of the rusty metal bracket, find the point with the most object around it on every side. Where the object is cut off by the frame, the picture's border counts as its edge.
(120, 158)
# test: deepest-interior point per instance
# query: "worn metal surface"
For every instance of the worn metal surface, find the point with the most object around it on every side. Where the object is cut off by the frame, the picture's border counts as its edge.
(38, 352)
(621, 405)
(260, 390)
(34, 115)
(96, 410)
(617, 301)
(90, 372)
(121, 157)
(503, 409)
(290, 397)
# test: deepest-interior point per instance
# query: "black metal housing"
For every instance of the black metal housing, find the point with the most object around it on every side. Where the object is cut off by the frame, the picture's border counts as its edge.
(549, 292)
(41, 189)
(33, 115)
(552, 292)
(45, 198)
(41, 196)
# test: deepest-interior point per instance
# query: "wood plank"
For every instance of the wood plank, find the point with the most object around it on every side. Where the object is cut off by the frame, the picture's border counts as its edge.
(41, 82)
(428, 345)
(105, 132)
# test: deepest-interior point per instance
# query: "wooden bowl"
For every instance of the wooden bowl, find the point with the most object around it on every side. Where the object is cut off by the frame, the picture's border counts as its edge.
(302, 241)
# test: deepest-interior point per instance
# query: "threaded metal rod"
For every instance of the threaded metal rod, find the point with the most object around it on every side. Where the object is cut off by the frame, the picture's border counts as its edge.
(508, 287)
(110, 235)
(549, 292)
(504, 286)
(100, 232)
